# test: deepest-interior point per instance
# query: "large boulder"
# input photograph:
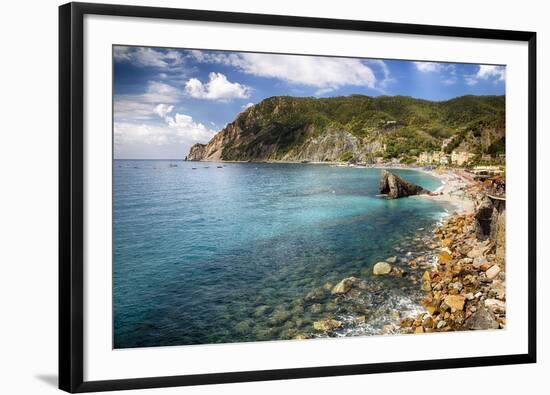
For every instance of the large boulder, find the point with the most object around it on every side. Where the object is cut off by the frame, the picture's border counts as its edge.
(381, 268)
(482, 319)
(395, 187)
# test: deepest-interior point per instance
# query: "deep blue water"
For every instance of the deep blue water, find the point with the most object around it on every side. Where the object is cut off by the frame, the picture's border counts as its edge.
(208, 255)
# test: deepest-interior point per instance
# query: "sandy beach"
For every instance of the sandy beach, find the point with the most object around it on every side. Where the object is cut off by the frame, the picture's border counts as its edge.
(453, 190)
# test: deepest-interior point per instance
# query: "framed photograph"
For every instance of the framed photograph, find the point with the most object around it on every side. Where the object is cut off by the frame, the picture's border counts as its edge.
(253, 197)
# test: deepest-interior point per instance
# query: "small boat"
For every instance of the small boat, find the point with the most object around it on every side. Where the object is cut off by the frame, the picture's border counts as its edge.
(219, 167)
(193, 168)
(173, 165)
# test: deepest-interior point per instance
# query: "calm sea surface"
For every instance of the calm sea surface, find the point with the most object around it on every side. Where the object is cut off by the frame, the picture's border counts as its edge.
(216, 255)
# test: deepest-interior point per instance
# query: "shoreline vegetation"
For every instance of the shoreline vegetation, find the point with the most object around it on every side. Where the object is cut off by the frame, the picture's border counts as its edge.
(456, 269)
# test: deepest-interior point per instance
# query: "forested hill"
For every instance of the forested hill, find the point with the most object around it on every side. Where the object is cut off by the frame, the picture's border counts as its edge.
(358, 127)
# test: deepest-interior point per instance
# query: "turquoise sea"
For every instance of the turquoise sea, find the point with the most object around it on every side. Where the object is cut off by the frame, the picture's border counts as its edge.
(227, 252)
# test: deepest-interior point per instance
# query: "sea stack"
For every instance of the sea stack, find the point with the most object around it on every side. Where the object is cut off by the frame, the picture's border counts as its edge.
(395, 187)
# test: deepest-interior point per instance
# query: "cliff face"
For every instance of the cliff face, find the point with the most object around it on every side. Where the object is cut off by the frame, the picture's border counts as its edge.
(354, 128)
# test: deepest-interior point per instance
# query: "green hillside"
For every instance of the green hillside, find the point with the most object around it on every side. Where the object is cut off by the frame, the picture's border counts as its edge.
(391, 126)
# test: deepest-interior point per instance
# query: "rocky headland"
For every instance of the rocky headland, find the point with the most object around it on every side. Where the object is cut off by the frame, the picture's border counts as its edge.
(356, 128)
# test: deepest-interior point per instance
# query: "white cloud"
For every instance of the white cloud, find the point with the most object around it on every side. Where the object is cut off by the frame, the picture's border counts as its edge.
(142, 106)
(161, 92)
(184, 127)
(449, 81)
(127, 107)
(218, 87)
(486, 72)
(428, 67)
(470, 80)
(315, 71)
(148, 57)
(179, 129)
(163, 110)
(247, 105)
(132, 133)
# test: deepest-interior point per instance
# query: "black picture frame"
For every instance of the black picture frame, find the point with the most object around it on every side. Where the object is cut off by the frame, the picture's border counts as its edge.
(71, 195)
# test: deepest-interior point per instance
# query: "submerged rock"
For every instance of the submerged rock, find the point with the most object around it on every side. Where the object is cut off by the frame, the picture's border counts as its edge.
(343, 286)
(381, 268)
(326, 325)
(395, 187)
(316, 295)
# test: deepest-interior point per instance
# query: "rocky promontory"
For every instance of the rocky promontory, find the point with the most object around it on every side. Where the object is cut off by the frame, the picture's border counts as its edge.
(354, 128)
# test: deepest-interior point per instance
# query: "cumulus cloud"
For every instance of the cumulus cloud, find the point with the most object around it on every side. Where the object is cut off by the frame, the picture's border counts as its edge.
(185, 128)
(315, 71)
(486, 72)
(163, 109)
(218, 87)
(147, 57)
(428, 67)
(179, 129)
(247, 105)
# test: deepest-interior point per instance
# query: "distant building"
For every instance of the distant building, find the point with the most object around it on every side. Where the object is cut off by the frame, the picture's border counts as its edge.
(444, 159)
(460, 158)
(429, 158)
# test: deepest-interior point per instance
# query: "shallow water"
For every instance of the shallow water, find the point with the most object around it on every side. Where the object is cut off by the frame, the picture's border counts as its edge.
(216, 255)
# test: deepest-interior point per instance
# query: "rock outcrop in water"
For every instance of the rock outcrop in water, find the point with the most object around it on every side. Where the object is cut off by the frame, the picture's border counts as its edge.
(395, 187)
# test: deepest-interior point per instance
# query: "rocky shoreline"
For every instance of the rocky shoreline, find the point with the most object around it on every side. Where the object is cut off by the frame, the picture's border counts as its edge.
(453, 276)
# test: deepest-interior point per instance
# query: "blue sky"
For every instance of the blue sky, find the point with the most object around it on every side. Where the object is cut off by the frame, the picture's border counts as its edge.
(166, 100)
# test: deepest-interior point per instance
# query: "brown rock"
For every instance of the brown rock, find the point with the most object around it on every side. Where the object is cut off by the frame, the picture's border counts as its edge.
(426, 276)
(343, 286)
(419, 329)
(326, 325)
(495, 306)
(445, 257)
(455, 301)
(475, 252)
(381, 268)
